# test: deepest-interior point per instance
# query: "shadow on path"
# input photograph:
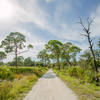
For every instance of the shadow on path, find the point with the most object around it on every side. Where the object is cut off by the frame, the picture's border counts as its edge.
(49, 75)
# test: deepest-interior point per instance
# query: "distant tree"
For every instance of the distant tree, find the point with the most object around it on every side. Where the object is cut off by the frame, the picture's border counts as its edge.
(87, 34)
(86, 59)
(97, 54)
(2, 55)
(99, 43)
(39, 63)
(28, 62)
(54, 46)
(69, 52)
(74, 50)
(44, 56)
(66, 52)
(13, 43)
(20, 60)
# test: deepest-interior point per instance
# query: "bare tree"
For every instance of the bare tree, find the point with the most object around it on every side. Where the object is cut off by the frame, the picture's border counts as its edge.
(87, 33)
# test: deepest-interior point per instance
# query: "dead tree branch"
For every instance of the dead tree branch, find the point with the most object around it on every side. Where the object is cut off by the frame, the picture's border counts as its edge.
(90, 41)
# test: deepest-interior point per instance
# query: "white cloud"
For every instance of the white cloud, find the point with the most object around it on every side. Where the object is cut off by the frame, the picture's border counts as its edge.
(70, 32)
(96, 24)
(26, 11)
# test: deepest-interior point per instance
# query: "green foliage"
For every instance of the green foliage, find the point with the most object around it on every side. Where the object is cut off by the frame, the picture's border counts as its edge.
(23, 62)
(44, 56)
(28, 62)
(55, 48)
(5, 73)
(5, 87)
(85, 91)
(99, 43)
(2, 55)
(40, 71)
(20, 61)
(30, 46)
(86, 60)
(17, 88)
(69, 52)
(12, 41)
(22, 83)
(75, 71)
(36, 70)
(82, 74)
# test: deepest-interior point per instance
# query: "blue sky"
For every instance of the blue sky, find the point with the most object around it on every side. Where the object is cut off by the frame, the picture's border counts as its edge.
(44, 20)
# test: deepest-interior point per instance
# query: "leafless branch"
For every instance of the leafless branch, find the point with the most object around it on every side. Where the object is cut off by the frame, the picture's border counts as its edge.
(90, 41)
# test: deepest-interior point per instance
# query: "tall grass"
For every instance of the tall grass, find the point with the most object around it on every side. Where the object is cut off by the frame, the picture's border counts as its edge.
(84, 87)
(23, 80)
(6, 73)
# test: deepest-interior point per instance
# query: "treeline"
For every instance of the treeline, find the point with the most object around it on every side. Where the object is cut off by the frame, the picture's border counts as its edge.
(55, 53)
(21, 61)
(65, 55)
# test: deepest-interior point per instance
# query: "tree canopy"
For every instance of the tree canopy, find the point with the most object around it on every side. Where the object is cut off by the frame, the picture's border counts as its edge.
(14, 42)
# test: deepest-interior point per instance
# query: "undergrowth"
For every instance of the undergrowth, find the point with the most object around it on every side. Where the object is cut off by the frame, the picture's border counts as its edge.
(84, 90)
(22, 82)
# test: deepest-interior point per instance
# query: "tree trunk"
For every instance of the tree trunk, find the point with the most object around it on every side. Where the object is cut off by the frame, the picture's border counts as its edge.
(16, 56)
(69, 62)
(58, 63)
(87, 30)
(45, 63)
(94, 59)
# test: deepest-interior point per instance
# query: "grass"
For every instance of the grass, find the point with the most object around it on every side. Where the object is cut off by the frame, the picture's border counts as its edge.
(17, 88)
(85, 91)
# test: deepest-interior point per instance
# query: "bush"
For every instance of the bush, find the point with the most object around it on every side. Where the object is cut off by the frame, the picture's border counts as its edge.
(9, 73)
(10, 90)
(5, 73)
(85, 75)
(76, 72)
(86, 91)
(39, 71)
(22, 83)
(22, 69)
(4, 90)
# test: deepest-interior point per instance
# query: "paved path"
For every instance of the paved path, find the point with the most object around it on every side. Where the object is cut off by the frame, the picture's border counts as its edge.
(50, 87)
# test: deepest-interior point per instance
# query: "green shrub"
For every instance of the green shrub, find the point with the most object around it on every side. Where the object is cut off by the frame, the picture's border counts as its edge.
(75, 71)
(82, 74)
(5, 87)
(22, 69)
(85, 91)
(22, 83)
(39, 71)
(16, 89)
(5, 73)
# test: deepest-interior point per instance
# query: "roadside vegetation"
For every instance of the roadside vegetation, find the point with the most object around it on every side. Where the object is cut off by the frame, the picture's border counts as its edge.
(16, 82)
(81, 82)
